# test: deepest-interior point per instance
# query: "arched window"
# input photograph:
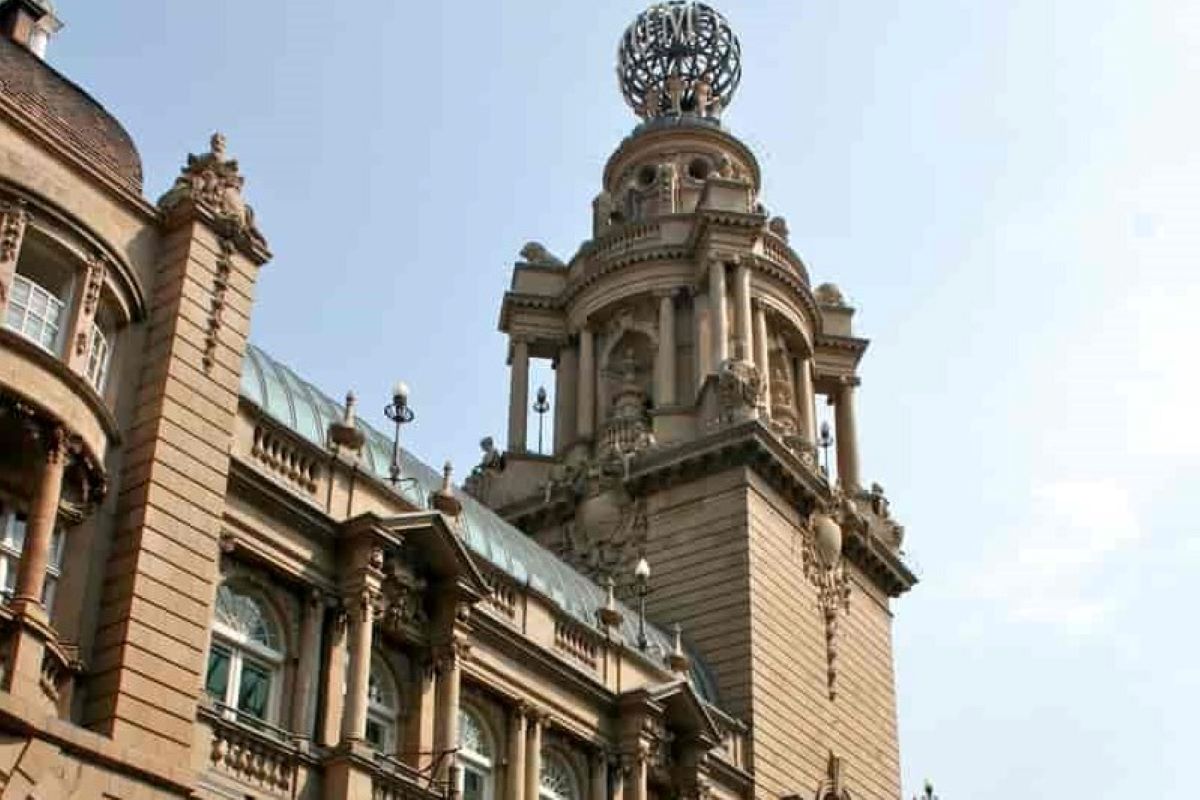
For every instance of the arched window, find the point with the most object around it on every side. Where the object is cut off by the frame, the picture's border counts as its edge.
(245, 657)
(475, 755)
(382, 706)
(557, 781)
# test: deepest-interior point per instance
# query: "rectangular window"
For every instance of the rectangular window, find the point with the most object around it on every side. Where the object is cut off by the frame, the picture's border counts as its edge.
(254, 691)
(97, 363)
(35, 313)
(216, 680)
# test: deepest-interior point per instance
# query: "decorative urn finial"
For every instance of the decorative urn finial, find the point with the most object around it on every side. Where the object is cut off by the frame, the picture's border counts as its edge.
(679, 58)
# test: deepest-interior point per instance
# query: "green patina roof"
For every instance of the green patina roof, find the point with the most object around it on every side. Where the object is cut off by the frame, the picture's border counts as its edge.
(300, 406)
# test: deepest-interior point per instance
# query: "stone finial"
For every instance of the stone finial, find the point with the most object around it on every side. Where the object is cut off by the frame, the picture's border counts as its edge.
(444, 499)
(828, 294)
(678, 661)
(779, 227)
(346, 433)
(211, 181)
(610, 615)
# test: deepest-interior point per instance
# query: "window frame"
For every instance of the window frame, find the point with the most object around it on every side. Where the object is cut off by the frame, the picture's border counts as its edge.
(553, 755)
(242, 649)
(11, 552)
(386, 717)
(49, 299)
(482, 764)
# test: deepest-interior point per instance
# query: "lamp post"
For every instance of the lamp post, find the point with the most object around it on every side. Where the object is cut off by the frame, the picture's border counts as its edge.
(541, 405)
(928, 794)
(825, 441)
(399, 412)
(641, 578)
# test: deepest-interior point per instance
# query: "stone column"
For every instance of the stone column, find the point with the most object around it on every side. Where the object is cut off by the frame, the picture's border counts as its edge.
(309, 666)
(43, 517)
(418, 740)
(762, 358)
(361, 630)
(847, 435)
(806, 400)
(13, 219)
(586, 411)
(566, 381)
(533, 756)
(516, 752)
(621, 767)
(635, 776)
(449, 688)
(335, 679)
(718, 317)
(702, 337)
(27, 644)
(664, 362)
(518, 396)
(741, 292)
(599, 776)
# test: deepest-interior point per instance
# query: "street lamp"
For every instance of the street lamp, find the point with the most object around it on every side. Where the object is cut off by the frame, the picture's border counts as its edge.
(825, 441)
(541, 406)
(399, 412)
(641, 578)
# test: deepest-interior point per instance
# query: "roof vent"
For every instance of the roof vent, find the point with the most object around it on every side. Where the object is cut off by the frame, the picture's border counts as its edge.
(29, 23)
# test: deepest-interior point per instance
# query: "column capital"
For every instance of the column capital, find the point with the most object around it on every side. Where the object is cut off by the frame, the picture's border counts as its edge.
(848, 381)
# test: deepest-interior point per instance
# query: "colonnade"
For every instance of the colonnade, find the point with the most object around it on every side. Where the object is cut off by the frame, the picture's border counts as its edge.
(713, 318)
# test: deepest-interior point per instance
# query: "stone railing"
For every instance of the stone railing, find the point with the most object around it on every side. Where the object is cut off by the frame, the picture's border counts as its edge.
(286, 460)
(623, 237)
(576, 641)
(252, 752)
(503, 596)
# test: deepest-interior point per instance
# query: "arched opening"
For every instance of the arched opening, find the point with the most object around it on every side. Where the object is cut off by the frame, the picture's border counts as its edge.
(476, 756)
(246, 656)
(558, 780)
(383, 706)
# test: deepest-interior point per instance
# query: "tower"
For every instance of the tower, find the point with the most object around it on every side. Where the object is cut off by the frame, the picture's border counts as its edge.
(691, 349)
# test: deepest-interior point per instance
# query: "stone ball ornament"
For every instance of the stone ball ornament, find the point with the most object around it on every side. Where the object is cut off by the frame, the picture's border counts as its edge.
(679, 57)
(828, 536)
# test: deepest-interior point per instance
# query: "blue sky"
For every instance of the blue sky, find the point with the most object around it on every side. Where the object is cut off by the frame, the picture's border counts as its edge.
(1007, 191)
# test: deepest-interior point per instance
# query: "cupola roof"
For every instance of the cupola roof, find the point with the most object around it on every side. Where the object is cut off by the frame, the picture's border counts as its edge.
(56, 107)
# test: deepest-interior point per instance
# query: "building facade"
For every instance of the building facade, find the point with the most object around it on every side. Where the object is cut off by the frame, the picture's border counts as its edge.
(219, 583)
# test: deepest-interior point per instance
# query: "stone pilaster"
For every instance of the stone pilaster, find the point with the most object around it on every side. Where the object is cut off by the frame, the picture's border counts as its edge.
(718, 316)
(79, 338)
(664, 363)
(361, 603)
(745, 325)
(566, 386)
(806, 400)
(309, 666)
(148, 656)
(762, 354)
(533, 755)
(334, 678)
(586, 411)
(449, 692)
(701, 337)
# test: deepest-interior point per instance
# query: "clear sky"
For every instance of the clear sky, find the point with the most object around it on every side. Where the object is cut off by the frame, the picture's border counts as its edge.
(1008, 191)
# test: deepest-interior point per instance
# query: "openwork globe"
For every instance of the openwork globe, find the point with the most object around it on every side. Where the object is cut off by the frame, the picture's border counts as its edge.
(679, 57)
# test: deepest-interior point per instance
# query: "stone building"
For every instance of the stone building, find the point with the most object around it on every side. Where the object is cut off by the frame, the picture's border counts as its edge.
(218, 583)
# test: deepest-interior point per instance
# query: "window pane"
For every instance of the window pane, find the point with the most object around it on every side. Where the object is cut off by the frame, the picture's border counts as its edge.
(377, 735)
(473, 784)
(216, 682)
(255, 689)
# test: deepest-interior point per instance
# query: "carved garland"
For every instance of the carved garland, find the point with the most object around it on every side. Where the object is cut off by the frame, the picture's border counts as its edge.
(217, 307)
(12, 229)
(97, 272)
(825, 570)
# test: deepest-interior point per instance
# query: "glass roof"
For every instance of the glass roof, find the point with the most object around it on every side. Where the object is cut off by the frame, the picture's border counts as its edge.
(292, 401)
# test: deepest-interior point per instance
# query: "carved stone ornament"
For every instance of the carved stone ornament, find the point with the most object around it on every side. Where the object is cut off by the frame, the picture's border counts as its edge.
(821, 542)
(12, 228)
(537, 254)
(832, 786)
(402, 599)
(216, 310)
(213, 181)
(739, 391)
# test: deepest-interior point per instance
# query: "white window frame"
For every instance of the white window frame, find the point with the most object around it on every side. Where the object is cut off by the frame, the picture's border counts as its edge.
(383, 715)
(33, 325)
(481, 763)
(10, 556)
(242, 648)
(99, 353)
(545, 792)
